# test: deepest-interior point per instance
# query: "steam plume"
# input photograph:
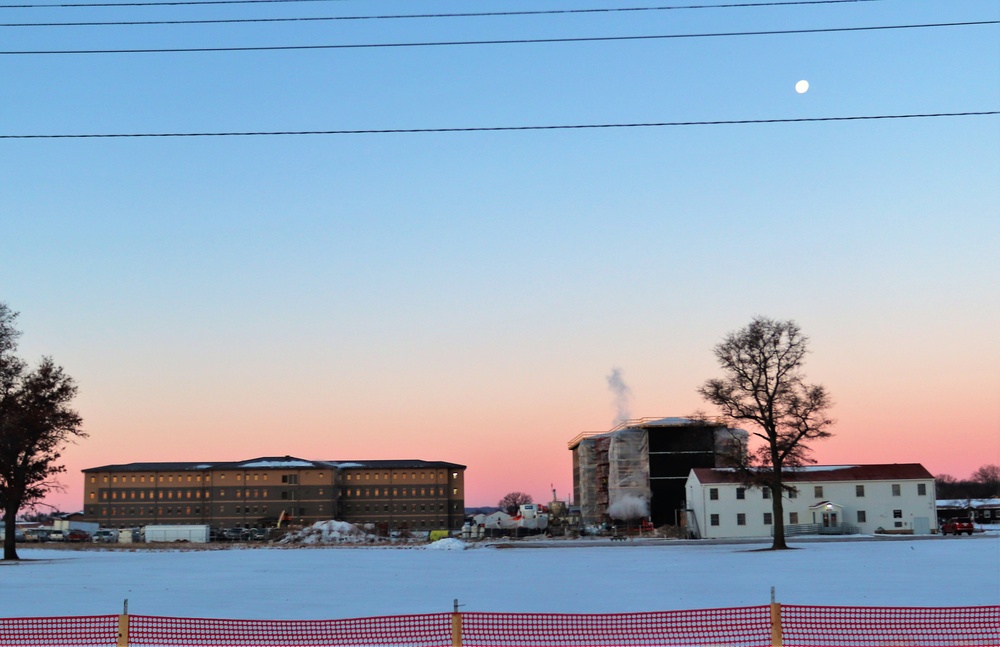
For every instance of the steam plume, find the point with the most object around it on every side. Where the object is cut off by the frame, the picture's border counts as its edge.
(622, 396)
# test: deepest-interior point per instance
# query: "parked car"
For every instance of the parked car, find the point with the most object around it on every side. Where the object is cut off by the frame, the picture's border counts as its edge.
(57, 535)
(105, 536)
(957, 525)
(18, 535)
(36, 535)
(76, 535)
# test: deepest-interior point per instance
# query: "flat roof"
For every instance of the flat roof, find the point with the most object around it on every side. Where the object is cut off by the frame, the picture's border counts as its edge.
(272, 463)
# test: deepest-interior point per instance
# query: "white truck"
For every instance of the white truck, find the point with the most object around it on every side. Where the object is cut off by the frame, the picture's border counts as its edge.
(196, 534)
(87, 526)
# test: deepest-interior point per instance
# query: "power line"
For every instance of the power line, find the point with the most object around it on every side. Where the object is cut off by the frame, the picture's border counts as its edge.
(522, 41)
(488, 14)
(225, 2)
(395, 131)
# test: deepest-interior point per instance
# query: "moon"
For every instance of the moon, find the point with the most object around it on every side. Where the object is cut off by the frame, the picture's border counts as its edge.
(802, 86)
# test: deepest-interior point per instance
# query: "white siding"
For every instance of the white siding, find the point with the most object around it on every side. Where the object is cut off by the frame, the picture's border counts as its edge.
(878, 503)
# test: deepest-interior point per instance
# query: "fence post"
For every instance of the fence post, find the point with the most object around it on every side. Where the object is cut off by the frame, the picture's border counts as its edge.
(123, 626)
(456, 626)
(777, 640)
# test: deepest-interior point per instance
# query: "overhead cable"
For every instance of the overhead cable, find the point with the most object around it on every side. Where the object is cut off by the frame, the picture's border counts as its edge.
(394, 131)
(486, 14)
(519, 41)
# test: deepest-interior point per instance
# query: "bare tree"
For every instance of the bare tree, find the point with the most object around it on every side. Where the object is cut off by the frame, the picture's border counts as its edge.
(988, 476)
(763, 387)
(512, 501)
(35, 423)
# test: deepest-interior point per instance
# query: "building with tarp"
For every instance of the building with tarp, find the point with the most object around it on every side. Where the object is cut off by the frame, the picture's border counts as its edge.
(639, 468)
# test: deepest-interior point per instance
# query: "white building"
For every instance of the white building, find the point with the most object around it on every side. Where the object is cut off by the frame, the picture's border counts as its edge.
(831, 499)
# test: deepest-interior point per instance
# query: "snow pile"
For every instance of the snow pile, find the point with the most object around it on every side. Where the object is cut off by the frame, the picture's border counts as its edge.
(325, 532)
(448, 543)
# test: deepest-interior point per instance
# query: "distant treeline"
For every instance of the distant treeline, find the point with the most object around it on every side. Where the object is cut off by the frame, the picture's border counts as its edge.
(983, 484)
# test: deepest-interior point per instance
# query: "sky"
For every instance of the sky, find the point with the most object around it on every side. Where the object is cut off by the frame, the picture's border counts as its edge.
(464, 296)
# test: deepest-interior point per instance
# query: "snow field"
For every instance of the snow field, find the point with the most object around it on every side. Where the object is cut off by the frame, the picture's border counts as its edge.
(323, 583)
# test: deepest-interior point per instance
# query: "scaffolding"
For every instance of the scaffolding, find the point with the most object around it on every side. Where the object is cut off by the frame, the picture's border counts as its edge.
(614, 467)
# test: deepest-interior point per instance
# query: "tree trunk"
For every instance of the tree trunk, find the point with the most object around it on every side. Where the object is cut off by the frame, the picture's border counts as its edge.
(10, 528)
(778, 522)
(777, 504)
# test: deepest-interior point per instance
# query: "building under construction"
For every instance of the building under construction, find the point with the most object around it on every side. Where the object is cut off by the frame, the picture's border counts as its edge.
(643, 464)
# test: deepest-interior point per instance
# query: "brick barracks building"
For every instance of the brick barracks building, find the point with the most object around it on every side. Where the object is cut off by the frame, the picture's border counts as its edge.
(393, 495)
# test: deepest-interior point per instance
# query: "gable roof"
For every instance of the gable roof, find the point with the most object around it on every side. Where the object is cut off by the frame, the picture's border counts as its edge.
(826, 473)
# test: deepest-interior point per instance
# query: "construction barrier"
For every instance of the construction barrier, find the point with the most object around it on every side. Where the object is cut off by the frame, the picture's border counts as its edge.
(774, 625)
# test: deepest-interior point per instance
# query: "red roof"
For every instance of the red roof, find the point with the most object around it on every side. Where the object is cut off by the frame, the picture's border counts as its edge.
(887, 472)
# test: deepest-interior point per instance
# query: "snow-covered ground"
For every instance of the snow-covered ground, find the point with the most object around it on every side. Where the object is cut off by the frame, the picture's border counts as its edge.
(605, 577)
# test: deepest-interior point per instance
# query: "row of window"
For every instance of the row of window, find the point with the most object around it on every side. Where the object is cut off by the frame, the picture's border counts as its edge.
(191, 478)
(396, 491)
(793, 518)
(859, 491)
(167, 511)
(396, 507)
(291, 479)
(401, 475)
(187, 494)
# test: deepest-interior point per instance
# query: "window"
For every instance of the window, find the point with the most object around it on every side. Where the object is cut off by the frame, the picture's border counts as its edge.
(859, 490)
(291, 479)
(713, 493)
(862, 517)
(793, 517)
(767, 518)
(714, 520)
(741, 493)
(895, 489)
(767, 493)
(818, 491)
(898, 524)
(922, 489)
(793, 493)
(741, 519)
(454, 490)
(897, 514)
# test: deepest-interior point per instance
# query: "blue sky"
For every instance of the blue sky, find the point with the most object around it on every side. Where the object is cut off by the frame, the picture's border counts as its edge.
(463, 296)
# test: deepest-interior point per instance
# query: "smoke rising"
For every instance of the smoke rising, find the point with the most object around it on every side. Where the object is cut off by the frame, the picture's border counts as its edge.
(629, 507)
(622, 396)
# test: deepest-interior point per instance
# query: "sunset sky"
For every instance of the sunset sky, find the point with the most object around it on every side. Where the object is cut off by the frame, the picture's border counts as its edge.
(464, 296)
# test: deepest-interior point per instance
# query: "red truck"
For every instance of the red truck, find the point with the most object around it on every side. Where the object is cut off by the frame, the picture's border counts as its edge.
(957, 526)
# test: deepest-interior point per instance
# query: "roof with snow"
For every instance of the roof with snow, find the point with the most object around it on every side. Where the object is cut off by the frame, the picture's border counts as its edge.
(885, 472)
(973, 504)
(273, 462)
(650, 423)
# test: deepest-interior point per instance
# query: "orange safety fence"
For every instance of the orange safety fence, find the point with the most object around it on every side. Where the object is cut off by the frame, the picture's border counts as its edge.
(775, 625)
